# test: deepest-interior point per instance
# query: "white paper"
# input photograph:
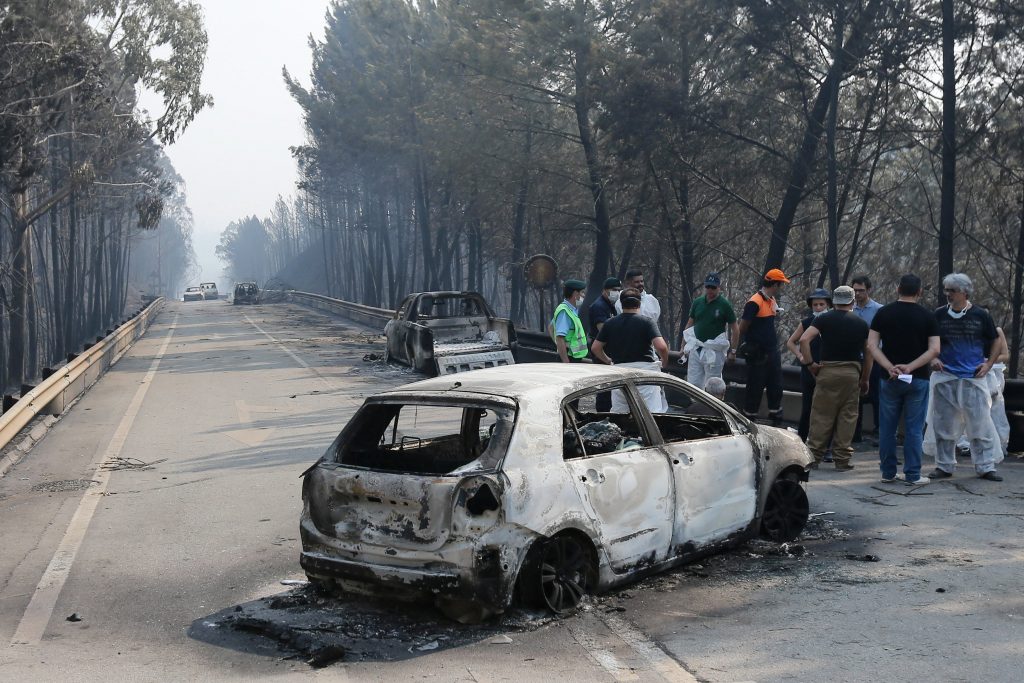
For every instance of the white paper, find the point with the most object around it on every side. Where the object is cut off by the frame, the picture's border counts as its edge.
(906, 378)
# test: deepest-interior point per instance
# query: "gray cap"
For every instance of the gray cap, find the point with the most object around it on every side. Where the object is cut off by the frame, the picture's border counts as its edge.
(842, 295)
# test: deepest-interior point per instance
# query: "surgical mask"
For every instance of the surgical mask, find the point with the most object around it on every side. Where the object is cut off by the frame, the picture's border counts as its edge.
(953, 314)
(613, 295)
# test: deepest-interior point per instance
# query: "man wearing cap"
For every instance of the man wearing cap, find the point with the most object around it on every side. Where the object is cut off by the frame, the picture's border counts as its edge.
(761, 347)
(706, 340)
(604, 308)
(566, 327)
(841, 377)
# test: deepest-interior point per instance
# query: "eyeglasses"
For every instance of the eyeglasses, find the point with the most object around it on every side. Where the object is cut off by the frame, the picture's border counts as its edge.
(710, 286)
(859, 291)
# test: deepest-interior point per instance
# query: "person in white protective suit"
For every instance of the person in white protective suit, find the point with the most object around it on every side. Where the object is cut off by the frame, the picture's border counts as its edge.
(961, 395)
(711, 334)
(996, 384)
(631, 340)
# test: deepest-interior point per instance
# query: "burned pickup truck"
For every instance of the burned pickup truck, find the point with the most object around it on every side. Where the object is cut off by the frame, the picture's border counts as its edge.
(442, 333)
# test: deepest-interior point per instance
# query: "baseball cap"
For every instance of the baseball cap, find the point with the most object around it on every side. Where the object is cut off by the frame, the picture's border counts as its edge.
(612, 283)
(576, 284)
(713, 279)
(842, 295)
(775, 275)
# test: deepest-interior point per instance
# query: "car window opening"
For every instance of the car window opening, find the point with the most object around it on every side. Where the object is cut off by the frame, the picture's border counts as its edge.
(687, 417)
(428, 439)
(588, 432)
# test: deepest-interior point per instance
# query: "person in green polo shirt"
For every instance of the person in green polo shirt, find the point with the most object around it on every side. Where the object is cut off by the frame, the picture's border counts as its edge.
(566, 326)
(711, 334)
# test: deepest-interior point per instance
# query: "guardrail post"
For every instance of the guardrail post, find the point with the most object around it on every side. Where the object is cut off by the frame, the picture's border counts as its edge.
(47, 372)
(25, 388)
(71, 356)
(9, 402)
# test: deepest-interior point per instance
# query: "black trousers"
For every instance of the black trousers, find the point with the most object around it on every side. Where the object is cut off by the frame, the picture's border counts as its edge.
(764, 375)
(807, 383)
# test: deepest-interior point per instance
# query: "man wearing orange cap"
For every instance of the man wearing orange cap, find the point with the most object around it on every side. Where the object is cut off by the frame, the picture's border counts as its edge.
(760, 347)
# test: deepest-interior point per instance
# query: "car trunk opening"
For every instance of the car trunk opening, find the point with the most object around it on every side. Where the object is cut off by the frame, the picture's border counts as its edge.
(400, 466)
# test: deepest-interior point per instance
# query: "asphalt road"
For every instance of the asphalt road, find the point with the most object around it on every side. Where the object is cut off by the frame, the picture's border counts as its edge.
(173, 560)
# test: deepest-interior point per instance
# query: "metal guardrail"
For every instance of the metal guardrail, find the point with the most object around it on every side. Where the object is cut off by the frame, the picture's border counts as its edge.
(368, 315)
(67, 383)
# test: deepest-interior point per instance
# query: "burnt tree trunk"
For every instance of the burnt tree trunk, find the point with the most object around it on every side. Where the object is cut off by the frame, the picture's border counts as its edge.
(947, 210)
(1018, 294)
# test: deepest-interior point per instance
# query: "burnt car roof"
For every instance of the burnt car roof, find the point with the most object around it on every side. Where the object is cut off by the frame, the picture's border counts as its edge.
(530, 381)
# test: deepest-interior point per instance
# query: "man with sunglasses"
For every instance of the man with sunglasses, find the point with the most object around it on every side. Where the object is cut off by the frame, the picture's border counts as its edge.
(711, 334)
(961, 399)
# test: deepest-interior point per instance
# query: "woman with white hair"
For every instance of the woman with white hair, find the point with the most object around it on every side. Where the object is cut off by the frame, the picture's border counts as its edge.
(961, 398)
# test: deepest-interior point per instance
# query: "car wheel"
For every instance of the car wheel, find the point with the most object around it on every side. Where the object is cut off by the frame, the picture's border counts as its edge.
(786, 511)
(558, 573)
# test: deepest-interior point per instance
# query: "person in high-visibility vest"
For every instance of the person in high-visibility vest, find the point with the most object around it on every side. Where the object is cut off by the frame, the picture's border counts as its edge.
(567, 328)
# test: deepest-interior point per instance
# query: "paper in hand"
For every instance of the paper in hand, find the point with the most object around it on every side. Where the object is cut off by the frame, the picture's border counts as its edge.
(906, 378)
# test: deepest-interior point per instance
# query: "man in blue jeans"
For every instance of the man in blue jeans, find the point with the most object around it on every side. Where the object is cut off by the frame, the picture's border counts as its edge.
(903, 340)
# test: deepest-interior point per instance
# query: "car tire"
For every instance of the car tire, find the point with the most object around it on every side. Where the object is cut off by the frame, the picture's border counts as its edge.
(558, 572)
(785, 511)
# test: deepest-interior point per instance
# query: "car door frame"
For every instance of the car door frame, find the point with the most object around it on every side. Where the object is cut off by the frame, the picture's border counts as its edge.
(696, 457)
(648, 542)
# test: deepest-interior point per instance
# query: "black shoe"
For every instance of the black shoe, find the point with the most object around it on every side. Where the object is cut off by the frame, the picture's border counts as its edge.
(827, 458)
(991, 476)
(939, 474)
(840, 467)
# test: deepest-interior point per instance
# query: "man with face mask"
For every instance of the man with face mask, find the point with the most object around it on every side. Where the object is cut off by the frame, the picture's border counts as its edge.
(604, 308)
(711, 334)
(961, 399)
(566, 327)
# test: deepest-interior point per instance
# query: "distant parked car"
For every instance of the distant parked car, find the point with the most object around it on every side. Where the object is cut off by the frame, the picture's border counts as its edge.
(470, 486)
(246, 293)
(209, 290)
(193, 294)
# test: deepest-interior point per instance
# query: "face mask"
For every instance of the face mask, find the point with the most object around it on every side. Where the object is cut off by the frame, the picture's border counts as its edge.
(953, 314)
(613, 295)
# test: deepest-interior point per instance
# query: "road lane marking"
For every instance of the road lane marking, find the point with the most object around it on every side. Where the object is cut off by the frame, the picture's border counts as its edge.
(666, 666)
(336, 391)
(40, 608)
(608, 661)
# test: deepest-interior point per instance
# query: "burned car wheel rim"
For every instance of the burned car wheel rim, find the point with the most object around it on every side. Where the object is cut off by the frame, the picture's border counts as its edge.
(565, 571)
(786, 510)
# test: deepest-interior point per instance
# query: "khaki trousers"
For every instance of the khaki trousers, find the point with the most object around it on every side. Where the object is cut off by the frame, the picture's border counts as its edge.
(834, 410)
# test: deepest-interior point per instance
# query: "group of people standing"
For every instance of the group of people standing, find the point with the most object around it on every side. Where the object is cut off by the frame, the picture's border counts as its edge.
(916, 368)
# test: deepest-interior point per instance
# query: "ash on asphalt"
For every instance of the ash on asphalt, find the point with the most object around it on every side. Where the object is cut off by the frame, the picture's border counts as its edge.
(309, 625)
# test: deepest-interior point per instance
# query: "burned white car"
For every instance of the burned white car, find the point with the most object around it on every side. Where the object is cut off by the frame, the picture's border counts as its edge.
(506, 483)
(442, 333)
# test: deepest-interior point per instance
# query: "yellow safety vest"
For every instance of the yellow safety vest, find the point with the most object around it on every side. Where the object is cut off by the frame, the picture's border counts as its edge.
(575, 338)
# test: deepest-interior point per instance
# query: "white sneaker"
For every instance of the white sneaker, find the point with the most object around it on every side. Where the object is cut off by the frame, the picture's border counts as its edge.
(920, 481)
(886, 480)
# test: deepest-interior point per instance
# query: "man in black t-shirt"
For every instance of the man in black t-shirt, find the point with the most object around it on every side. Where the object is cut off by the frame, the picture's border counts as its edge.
(841, 378)
(631, 340)
(904, 339)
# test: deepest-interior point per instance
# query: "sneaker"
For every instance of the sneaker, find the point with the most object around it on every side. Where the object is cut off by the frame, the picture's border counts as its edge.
(920, 481)
(991, 476)
(939, 474)
(895, 477)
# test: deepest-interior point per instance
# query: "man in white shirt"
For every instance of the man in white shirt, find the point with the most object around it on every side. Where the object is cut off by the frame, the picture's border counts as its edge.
(649, 306)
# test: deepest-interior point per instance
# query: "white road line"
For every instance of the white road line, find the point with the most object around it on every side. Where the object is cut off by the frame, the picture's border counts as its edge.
(44, 599)
(330, 385)
(608, 661)
(667, 667)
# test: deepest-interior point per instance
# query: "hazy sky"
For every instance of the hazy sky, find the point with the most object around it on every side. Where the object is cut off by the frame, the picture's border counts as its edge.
(234, 157)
